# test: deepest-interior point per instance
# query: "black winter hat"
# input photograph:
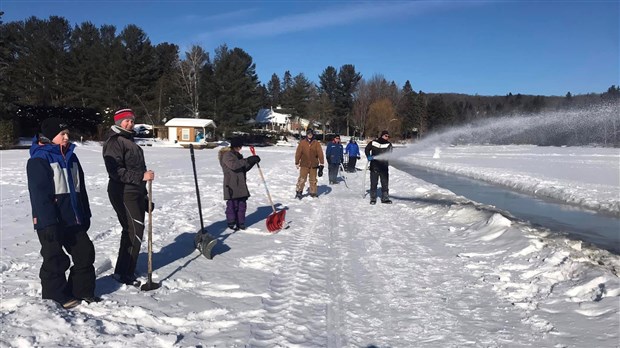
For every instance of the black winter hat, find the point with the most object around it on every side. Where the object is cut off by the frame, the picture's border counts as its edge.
(52, 126)
(384, 133)
(236, 142)
(309, 131)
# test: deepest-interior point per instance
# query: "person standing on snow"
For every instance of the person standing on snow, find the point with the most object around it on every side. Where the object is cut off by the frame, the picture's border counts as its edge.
(379, 167)
(61, 216)
(124, 162)
(308, 158)
(236, 191)
(353, 151)
(334, 156)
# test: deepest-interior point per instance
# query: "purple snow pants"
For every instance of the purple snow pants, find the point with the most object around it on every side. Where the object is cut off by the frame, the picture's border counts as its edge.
(235, 210)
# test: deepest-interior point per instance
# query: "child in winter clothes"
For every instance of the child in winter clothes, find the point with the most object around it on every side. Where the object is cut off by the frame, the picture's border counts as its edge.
(236, 190)
(353, 150)
(61, 216)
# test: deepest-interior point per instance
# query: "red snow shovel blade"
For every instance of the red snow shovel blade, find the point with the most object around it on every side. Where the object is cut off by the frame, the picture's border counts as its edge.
(275, 221)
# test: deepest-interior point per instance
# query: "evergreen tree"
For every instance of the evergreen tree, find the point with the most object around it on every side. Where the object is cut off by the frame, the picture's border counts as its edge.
(285, 95)
(348, 81)
(140, 67)
(407, 109)
(114, 73)
(236, 82)
(274, 90)
(262, 95)
(41, 70)
(86, 58)
(329, 92)
(168, 94)
(300, 94)
(10, 50)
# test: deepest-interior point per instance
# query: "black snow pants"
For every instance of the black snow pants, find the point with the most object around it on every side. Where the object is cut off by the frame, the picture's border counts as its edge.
(129, 203)
(375, 175)
(55, 240)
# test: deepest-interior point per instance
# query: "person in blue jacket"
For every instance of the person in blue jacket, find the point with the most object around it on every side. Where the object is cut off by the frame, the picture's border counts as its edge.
(353, 151)
(61, 216)
(334, 156)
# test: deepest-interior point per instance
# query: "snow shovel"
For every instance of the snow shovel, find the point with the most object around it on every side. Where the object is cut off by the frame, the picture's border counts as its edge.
(150, 285)
(275, 221)
(203, 240)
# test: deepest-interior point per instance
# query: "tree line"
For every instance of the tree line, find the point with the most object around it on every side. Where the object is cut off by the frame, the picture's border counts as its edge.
(83, 73)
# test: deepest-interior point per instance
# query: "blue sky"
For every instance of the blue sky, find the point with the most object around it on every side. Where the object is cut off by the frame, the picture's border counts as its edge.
(474, 47)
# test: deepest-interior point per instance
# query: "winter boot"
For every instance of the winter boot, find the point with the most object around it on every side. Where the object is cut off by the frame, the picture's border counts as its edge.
(241, 226)
(385, 198)
(232, 226)
(298, 195)
(373, 200)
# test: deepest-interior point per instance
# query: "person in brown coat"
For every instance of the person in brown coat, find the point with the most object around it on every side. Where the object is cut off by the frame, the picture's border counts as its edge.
(236, 192)
(308, 159)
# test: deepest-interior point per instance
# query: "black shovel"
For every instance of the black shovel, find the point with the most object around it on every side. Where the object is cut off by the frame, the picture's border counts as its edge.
(150, 285)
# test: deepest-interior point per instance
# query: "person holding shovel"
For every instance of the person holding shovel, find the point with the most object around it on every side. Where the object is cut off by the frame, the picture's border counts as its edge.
(126, 167)
(236, 192)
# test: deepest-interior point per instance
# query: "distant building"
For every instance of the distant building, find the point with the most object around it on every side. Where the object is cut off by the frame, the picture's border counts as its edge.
(271, 120)
(190, 130)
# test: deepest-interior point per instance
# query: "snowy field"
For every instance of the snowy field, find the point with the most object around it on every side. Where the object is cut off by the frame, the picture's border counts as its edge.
(431, 270)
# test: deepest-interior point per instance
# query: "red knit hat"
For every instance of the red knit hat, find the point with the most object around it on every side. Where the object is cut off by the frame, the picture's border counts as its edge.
(122, 114)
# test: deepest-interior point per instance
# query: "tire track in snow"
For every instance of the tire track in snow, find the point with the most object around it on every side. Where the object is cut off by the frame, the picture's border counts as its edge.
(296, 306)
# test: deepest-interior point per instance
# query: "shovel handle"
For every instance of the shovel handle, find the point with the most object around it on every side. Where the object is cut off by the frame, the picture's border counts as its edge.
(260, 171)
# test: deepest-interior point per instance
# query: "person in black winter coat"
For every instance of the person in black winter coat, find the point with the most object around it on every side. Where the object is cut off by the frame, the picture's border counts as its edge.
(379, 167)
(126, 167)
(61, 216)
(236, 191)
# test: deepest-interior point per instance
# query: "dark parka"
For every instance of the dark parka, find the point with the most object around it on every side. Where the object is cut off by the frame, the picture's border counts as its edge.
(234, 167)
(56, 184)
(124, 160)
(375, 148)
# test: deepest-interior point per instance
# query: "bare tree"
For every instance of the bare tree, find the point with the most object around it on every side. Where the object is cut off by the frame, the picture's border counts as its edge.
(382, 115)
(189, 77)
(370, 91)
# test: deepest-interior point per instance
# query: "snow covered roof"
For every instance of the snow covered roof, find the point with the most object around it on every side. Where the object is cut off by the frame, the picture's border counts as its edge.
(270, 116)
(190, 122)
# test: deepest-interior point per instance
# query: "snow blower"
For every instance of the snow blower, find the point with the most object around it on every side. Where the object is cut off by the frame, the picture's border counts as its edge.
(275, 221)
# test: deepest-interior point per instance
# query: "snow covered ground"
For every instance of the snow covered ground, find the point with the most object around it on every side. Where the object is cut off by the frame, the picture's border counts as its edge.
(431, 270)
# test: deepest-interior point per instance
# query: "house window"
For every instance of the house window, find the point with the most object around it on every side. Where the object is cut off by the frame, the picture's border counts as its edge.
(185, 134)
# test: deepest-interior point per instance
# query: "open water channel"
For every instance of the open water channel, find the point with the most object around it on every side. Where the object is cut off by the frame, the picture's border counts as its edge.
(599, 229)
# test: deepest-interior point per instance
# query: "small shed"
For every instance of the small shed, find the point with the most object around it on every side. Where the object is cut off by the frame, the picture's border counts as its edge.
(190, 130)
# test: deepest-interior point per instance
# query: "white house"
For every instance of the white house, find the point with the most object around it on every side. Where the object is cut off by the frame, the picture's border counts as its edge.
(272, 120)
(190, 130)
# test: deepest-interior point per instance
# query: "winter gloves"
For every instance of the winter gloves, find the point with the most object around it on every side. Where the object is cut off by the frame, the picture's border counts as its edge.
(369, 157)
(320, 170)
(252, 160)
(146, 204)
